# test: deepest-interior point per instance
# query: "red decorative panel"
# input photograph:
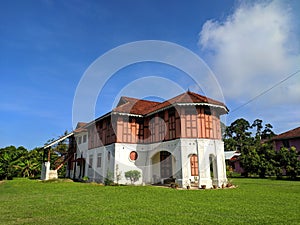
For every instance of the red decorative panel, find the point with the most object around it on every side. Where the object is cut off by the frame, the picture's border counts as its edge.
(194, 165)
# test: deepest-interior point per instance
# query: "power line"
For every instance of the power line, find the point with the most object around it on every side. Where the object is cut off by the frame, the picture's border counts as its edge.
(264, 92)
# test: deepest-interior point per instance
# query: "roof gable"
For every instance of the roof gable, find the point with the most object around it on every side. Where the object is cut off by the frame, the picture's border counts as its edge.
(80, 127)
(80, 124)
(134, 105)
(186, 98)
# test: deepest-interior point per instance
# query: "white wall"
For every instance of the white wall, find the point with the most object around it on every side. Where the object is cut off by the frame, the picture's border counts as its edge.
(148, 161)
(207, 147)
(96, 173)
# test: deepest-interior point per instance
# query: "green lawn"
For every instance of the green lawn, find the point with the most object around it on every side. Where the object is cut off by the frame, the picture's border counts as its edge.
(255, 201)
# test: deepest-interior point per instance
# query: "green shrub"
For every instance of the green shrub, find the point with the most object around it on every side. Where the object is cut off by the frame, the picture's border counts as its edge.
(85, 179)
(133, 175)
(108, 181)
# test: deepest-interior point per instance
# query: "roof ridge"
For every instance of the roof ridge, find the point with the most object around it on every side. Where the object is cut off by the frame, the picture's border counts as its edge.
(207, 98)
(139, 99)
(183, 94)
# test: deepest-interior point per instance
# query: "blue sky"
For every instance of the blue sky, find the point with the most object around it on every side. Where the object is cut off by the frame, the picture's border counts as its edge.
(46, 47)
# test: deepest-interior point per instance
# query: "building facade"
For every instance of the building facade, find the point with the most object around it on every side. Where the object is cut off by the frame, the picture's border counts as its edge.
(178, 139)
(287, 139)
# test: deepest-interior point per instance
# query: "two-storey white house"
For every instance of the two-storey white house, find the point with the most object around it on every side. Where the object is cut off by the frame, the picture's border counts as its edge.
(178, 139)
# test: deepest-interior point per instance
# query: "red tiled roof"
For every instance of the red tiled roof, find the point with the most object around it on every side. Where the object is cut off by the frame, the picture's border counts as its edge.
(80, 124)
(134, 105)
(295, 133)
(143, 107)
(187, 97)
(80, 127)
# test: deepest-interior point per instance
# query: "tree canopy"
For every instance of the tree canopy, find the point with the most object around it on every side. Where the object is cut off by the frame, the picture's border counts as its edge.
(258, 156)
(20, 162)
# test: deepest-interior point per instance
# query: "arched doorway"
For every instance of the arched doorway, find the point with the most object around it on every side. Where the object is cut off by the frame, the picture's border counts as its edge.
(166, 170)
(162, 163)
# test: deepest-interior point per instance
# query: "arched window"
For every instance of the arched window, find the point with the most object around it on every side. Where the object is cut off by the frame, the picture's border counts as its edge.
(194, 165)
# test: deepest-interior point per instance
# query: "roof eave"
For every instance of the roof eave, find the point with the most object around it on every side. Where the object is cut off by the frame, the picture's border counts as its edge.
(188, 104)
(284, 138)
(127, 114)
(58, 140)
(112, 113)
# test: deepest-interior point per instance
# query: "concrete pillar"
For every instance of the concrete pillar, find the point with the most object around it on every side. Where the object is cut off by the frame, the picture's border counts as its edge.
(185, 177)
(182, 164)
(144, 163)
(45, 171)
(221, 166)
(203, 166)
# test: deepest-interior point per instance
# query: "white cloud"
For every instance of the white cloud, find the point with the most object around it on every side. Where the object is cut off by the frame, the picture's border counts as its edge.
(253, 49)
(250, 51)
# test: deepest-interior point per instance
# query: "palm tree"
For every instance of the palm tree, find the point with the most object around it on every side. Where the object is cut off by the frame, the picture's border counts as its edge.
(28, 167)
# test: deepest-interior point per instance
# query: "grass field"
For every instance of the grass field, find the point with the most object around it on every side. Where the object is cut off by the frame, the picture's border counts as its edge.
(255, 201)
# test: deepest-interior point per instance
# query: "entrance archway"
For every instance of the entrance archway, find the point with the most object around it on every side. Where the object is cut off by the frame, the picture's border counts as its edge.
(162, 164)
(166, 169)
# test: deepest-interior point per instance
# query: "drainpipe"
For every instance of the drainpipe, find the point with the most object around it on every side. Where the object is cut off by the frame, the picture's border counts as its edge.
(80, 168)
(75, 164)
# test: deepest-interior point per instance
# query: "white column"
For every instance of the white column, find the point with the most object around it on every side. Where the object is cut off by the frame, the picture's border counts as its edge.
(45, 171)
(221, 165)
(203, 164)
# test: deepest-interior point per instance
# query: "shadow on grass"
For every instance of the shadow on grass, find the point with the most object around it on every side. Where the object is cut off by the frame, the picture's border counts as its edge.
(284, 178)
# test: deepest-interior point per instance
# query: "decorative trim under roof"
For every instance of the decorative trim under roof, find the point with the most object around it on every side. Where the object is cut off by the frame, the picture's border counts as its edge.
(187, 104)
(145, 107)
(126, 114)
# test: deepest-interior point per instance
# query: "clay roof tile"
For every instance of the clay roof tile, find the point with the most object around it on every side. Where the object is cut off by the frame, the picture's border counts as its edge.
(143, 107)
(294, 133)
